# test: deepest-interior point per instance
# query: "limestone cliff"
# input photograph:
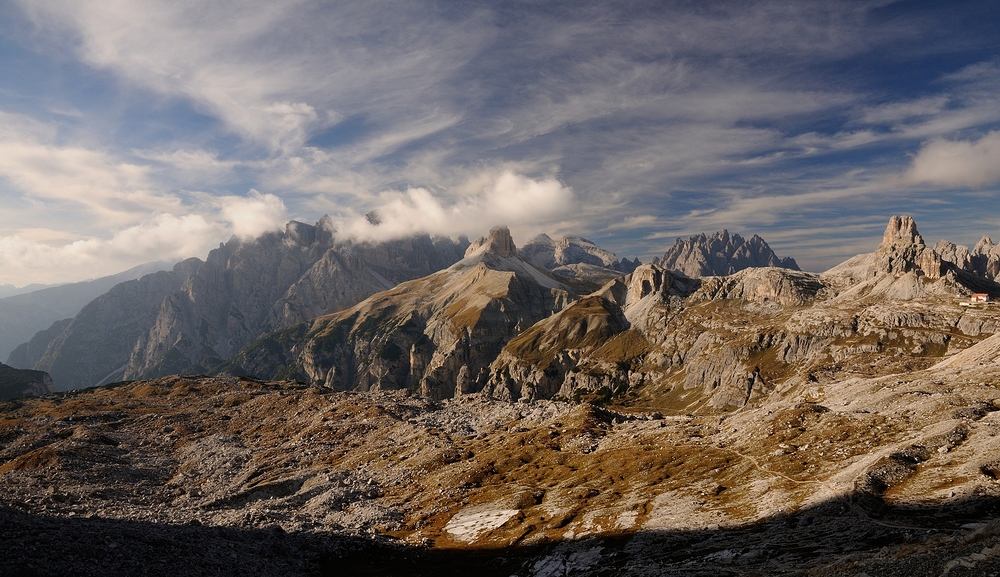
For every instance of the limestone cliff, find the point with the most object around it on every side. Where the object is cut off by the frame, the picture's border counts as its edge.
(903, 250)
(983, 260)
(93, 348)
(247, 288)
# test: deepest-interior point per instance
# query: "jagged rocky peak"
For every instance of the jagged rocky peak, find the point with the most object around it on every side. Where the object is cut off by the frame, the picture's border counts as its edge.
(903, 250)
(982, 261)
(954, 253)
(720, 254)
(901, 230)
(498, 242)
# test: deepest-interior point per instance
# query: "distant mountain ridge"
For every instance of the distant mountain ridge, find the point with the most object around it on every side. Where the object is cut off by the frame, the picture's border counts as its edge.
(23, 315)
(720, 254)
(248, 288)
(543, 251)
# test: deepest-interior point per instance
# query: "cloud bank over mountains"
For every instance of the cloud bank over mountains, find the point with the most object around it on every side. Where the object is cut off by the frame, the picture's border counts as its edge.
(146, 115)
(507, 197)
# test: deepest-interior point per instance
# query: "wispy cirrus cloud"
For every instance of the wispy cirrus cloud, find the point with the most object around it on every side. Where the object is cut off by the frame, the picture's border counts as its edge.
(666, 116)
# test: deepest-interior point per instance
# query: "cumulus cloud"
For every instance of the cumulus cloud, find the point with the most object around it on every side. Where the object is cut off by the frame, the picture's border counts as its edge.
(49, 256)
(962, 163)
(254, 214)
(506, 198)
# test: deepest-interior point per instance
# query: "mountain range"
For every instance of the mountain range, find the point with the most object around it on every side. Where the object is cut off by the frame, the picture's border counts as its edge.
(200, 314)
(465, 319)
(496, 417)
(720, 254)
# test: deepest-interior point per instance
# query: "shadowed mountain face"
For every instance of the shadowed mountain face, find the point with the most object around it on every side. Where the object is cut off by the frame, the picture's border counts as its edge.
(201, 313)
(23, 315)
(720, 254)
(246, 289)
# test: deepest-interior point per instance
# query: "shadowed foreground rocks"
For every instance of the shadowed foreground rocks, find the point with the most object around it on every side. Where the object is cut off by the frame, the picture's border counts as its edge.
(826, 540)
(233, 476)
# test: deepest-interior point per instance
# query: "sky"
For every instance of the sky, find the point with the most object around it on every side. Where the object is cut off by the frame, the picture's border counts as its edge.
(141, 130)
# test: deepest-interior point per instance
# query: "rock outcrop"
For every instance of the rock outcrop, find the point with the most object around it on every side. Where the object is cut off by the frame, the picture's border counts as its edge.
(762, 285)
(16, 383)
(498, 241)
(983, 260)
(720, 254)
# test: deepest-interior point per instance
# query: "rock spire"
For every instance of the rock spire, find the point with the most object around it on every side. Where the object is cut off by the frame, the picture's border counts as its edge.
(498, 242)
(903, 250)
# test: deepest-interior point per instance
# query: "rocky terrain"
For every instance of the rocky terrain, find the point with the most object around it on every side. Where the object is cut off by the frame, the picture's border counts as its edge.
(497, 418)
(887, 476)
(719, 255)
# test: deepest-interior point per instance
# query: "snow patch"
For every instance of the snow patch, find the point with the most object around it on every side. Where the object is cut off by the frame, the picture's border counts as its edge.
(469, 525)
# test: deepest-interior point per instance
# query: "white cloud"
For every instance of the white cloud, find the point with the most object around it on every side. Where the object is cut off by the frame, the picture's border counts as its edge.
(959, 163)
(254, 214)
(162, 237)
(505, 198)
(898, 111)
(48, 256)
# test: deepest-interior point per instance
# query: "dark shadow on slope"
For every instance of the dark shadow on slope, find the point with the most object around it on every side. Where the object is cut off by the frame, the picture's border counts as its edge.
(833, 538)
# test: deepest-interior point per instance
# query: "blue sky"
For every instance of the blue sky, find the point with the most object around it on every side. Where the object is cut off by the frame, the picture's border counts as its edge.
(133, 131)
